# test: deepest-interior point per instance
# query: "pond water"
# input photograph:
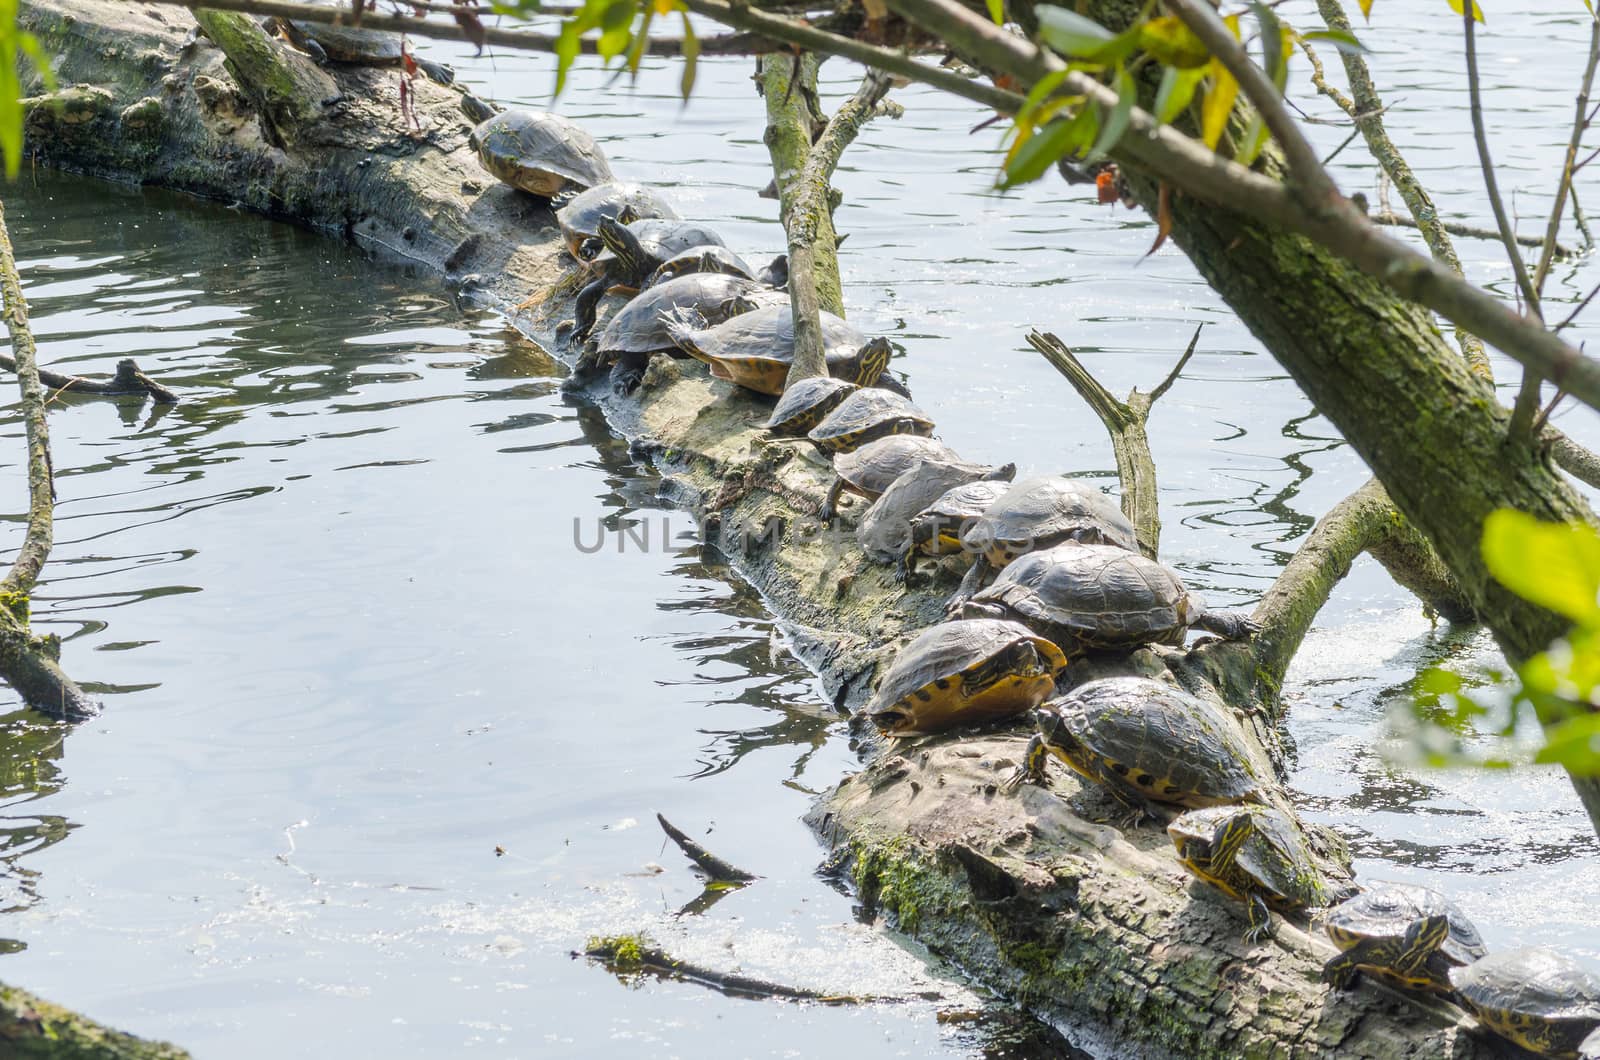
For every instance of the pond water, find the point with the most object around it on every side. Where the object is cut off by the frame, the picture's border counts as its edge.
(383, 743)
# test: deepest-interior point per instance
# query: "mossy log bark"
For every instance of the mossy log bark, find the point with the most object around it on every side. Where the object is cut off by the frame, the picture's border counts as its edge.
(1102, 932)
(34, 1029)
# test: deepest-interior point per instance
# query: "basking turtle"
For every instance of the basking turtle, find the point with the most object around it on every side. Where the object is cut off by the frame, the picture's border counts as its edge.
(755, 349)
(580, 216)
(873, 468)
(865, 416)
(1543, 1000)
(632, 252)
(1100, 598)
(884, 532)
(964, 673)
(1406, 935)
(541, 153)
(803, 404)
(716, 258)
(326, 42)
(937, 529)
(1037, 513)
(1146, 741)
(639, 328)
(1255, 853)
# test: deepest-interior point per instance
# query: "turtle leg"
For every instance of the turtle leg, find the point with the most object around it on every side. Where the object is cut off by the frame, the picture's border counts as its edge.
(1260, 921)
(1342, 970)
(1229, 625)
(971, 582)
(1032, 769)
(589, 363)
(830, 503)
(587, 307)
(628, 372)
(907, 565)
(318, 54)
(1422, 938)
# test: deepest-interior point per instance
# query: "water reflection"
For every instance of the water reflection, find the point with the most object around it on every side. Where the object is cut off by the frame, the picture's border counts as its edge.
(29, 772)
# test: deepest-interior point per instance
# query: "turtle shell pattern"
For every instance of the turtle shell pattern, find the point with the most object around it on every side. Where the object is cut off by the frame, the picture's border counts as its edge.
(1274, 861)
(965, 672)
(540, 152)
(755, 349)
(806, 402)
(641, 325)
(1543, 1000)
(1040, 512)
(580, 217)
(1384, 913)
(873, 468)
(939, 527)
(707, 257)
(869, 414)
(884, 531)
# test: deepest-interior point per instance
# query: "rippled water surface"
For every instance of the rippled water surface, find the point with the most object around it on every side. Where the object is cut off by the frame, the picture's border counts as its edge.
(351, 653)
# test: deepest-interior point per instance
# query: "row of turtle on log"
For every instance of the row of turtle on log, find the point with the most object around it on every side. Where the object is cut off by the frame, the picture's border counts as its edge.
(1055, 573)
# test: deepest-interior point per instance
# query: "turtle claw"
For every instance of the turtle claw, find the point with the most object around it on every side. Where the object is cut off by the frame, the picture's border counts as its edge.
(1339, 975)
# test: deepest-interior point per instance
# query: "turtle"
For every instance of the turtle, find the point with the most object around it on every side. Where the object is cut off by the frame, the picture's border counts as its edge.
(937, 529)
(1038, 513)
(1590, 1049)
(716, 258)
(579, 217)
(884, 532)
(873, 468)
(477, 109)
(755, 349)
(1147, 742)
(1406, 935)
(964, 672)
(1255, 853)
(640, 328)
(1100, 598)
(867, 415)
(326, 42)
(541, 153)
(1543, 1000)
(633, 250)
(805, 402)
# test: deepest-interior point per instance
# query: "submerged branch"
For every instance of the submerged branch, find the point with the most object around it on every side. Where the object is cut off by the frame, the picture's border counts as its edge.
(719, 871)
(632, 954)
(130, 379)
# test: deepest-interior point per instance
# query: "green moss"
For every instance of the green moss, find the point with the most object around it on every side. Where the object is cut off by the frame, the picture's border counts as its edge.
(623, 952)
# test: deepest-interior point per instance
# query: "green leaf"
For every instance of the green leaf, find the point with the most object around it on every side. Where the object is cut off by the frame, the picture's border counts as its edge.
(691, 56)
(568, 45)
(1177, 89)
(1255, 138)
(1555, 565)
(1173, 43)
(1274, 50)
(1117, 123)
(1036, 95)
(1341, 40)
(1050, 143)
(640, 40)
(1574, 743)
(997, 11)
(1071, 33)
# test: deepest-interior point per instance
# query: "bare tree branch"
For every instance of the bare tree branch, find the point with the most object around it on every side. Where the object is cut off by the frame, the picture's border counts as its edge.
(1580, 123)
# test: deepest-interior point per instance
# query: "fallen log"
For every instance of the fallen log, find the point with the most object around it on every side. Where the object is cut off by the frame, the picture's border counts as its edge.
(34, 1029)
(1098, 930)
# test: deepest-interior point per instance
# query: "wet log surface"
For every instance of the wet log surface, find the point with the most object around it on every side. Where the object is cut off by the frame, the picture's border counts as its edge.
(1097, 930)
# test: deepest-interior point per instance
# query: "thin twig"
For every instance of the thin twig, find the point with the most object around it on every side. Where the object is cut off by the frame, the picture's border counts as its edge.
(1580, 123)
(709, 863)
(1469, 231)
(1177, 369)
(1567, 323)
(1582, 222)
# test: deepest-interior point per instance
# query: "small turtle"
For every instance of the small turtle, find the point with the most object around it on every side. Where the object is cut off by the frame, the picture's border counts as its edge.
(1255, 853)
(1100, 598)
(541, 153)
(937, 530)
(1037, 513)
(326, 42)
(884, 532)
(873, 468)
(639, 328)
(964, 673)
(803, 404)
(1146, 741)
(580, 216)
(715, 258)
(1407, 935)
(755, 349)
(865, 416)
(632, 252)
(1543, 1000)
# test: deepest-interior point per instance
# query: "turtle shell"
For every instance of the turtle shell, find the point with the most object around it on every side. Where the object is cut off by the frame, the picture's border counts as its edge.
(580, 217)
(641, 325)
(1274, 861)
(965, 672)
(661, 238)
(1155, 742)
(866, 415)
(708, 257)
(884, 532)
(540, 152)
(804, 403)
(1542, 1000)
(1040, 512)
(938, 528)
(1386, 911)
(1090, 597)
(348, 44)
(873, 468)
(754, 349)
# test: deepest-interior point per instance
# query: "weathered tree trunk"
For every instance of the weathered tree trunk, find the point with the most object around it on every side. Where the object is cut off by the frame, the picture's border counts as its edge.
(1104, 933)
(34, 1029)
